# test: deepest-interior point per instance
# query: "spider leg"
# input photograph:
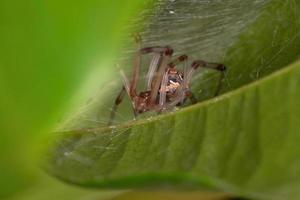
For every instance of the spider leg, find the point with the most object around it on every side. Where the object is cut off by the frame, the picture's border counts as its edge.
(163, 91)
(191, 96)
(215, 66)
(118, 100)
(175, 101)
(202, 64)
(219, 86)
(128, 90)
(155, 62)
(120, 96)
(154, 49)
(126, 84)
(136, 66)
(152, 68)
(178, 60)
(160, 73)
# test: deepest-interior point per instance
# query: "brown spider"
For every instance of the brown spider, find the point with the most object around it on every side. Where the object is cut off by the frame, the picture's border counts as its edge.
(167, 87)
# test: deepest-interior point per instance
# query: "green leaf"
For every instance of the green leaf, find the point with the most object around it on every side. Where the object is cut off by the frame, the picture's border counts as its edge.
(243, 142)
(48, 49)
(48, 188)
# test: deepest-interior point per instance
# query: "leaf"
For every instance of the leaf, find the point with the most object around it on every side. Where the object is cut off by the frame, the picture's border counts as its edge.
(252, 135)
(243, 142)
(48, 49)
(48, 188)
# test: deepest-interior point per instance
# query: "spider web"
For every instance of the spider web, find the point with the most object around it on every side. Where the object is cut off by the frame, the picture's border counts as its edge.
(201, 29)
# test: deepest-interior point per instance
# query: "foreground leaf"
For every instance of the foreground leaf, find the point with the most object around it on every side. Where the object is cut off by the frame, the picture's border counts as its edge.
(244, 142)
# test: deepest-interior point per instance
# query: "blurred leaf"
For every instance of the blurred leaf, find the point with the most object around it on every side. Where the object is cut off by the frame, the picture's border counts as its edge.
(49, 188)
(171, 194)
(48, 49)
(244, 142)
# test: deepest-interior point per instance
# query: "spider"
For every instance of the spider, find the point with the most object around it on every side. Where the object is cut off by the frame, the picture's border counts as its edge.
(166, 86)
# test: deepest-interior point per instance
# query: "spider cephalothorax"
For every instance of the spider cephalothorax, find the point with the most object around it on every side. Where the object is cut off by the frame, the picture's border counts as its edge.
(167, 86)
